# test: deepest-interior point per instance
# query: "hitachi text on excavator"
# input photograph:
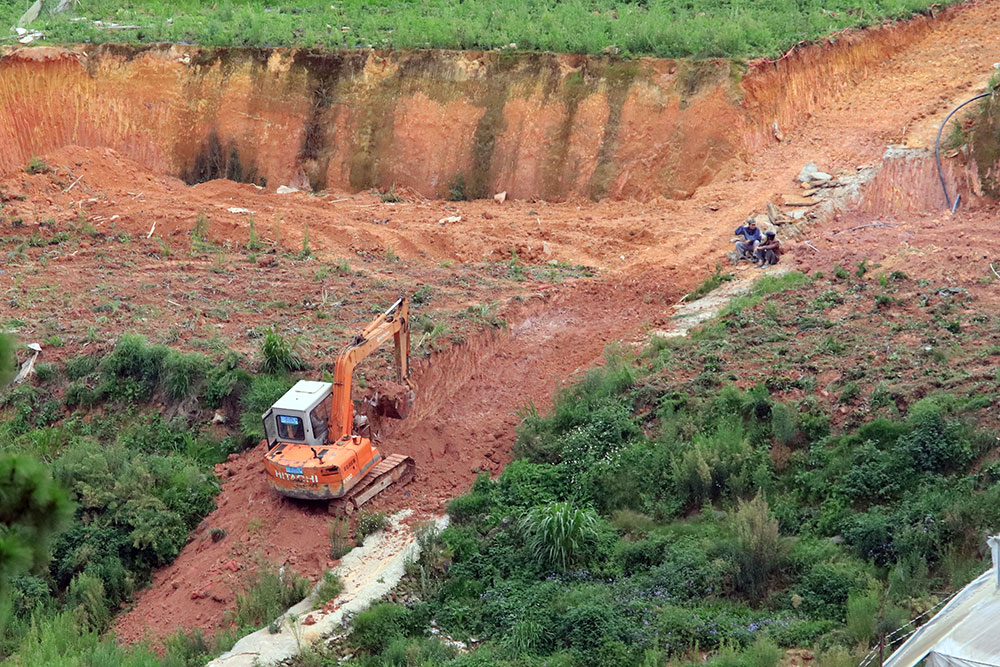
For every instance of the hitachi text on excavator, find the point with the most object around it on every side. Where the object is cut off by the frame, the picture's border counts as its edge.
(313, 451)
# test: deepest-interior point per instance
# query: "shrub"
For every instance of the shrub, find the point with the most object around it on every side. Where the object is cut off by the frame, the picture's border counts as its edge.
(862, 616)
(369, 523)
(278, 355)
(718, 463)
(523, 485)
(709, 284)
(87, 600)
(558, 534)
(589, 625)
(183, 373)
(37, 166)
(81, 365)
(133, 368)
(826, 587)
(79, 395)
(456, 190)
(468, 508)
(46, 372)
(425, 652)
(758, 549)
(933, 444)
(226, 381)
(383, 622)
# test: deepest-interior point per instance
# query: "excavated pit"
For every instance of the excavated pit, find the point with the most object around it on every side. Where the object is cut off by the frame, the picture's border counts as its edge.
(679, 153)
(533, 125)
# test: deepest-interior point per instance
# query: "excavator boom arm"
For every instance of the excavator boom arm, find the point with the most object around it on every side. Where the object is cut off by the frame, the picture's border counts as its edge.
(393, 322)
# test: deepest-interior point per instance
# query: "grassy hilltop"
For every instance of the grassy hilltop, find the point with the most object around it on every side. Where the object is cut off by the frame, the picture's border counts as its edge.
(665, 28)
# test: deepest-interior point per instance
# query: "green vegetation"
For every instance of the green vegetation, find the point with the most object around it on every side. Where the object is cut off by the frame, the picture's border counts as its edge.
(668, 28)
(279, 355)
(97, 500)
(662, 509)
(329, 588)
(709, 284)
(369, 523)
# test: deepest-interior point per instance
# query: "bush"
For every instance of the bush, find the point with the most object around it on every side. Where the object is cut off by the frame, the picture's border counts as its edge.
(558, 534)
(710, 284)
(933, 444)
(79, 395)
(226, 381)
(183, 374)
(862, 616)
(132, 370)
(827, 586)
(87, 600)
(523, 485)
(758, 549)
(468, 508)
(374, 629)
(339, 529)
(718, 463)
(278, 355)
(81, 366)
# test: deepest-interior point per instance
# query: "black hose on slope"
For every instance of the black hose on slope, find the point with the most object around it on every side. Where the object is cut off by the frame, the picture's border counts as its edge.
(937, 146)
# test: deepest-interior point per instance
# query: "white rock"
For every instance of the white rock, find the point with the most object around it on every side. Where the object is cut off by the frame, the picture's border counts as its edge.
(820, 176)
(237, 209)
(500, 197)
(284, 190)
(807, 171)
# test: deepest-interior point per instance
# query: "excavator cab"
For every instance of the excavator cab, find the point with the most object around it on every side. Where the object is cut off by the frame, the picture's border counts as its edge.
(302, 415)
(313, 451)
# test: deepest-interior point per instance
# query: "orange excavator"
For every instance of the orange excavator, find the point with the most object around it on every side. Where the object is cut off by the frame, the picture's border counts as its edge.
(313, 451)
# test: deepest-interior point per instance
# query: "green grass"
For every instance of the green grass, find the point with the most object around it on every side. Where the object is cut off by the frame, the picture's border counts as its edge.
(667, 28)
(710, 284)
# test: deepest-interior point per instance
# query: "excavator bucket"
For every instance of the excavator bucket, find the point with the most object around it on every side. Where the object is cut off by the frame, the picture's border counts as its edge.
(393, 404)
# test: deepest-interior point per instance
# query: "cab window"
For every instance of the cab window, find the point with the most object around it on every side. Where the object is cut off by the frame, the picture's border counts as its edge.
(291, 428)
(320, 419)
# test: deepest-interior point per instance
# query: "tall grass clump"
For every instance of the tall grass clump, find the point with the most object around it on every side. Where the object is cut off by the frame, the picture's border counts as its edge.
(278, 354)
(271, 592)
(558, 534)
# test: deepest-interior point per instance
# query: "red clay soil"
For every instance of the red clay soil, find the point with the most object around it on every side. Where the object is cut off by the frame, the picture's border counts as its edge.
(464, 422)
(647, 255)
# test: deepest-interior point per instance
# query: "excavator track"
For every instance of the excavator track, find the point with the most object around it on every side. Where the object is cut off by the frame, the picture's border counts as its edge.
(397, 469)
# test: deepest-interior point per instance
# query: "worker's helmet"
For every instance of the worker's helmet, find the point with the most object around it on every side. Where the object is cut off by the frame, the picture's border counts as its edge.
(769, 232)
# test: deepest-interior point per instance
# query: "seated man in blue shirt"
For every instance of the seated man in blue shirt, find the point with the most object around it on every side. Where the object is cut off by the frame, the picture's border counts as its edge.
(751, 237)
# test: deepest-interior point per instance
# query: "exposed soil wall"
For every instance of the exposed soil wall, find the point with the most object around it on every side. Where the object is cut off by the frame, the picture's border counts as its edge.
(985, 146)
(535, 125)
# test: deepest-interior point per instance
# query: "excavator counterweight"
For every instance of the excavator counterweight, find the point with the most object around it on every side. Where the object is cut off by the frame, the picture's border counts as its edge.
(313, 451)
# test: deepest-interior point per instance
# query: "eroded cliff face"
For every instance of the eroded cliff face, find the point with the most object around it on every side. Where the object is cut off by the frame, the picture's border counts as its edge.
(535, 125)
(985, 146)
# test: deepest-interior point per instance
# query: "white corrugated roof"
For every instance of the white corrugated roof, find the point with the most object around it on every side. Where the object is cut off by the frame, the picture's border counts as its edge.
(966, 633)
(302, 396)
